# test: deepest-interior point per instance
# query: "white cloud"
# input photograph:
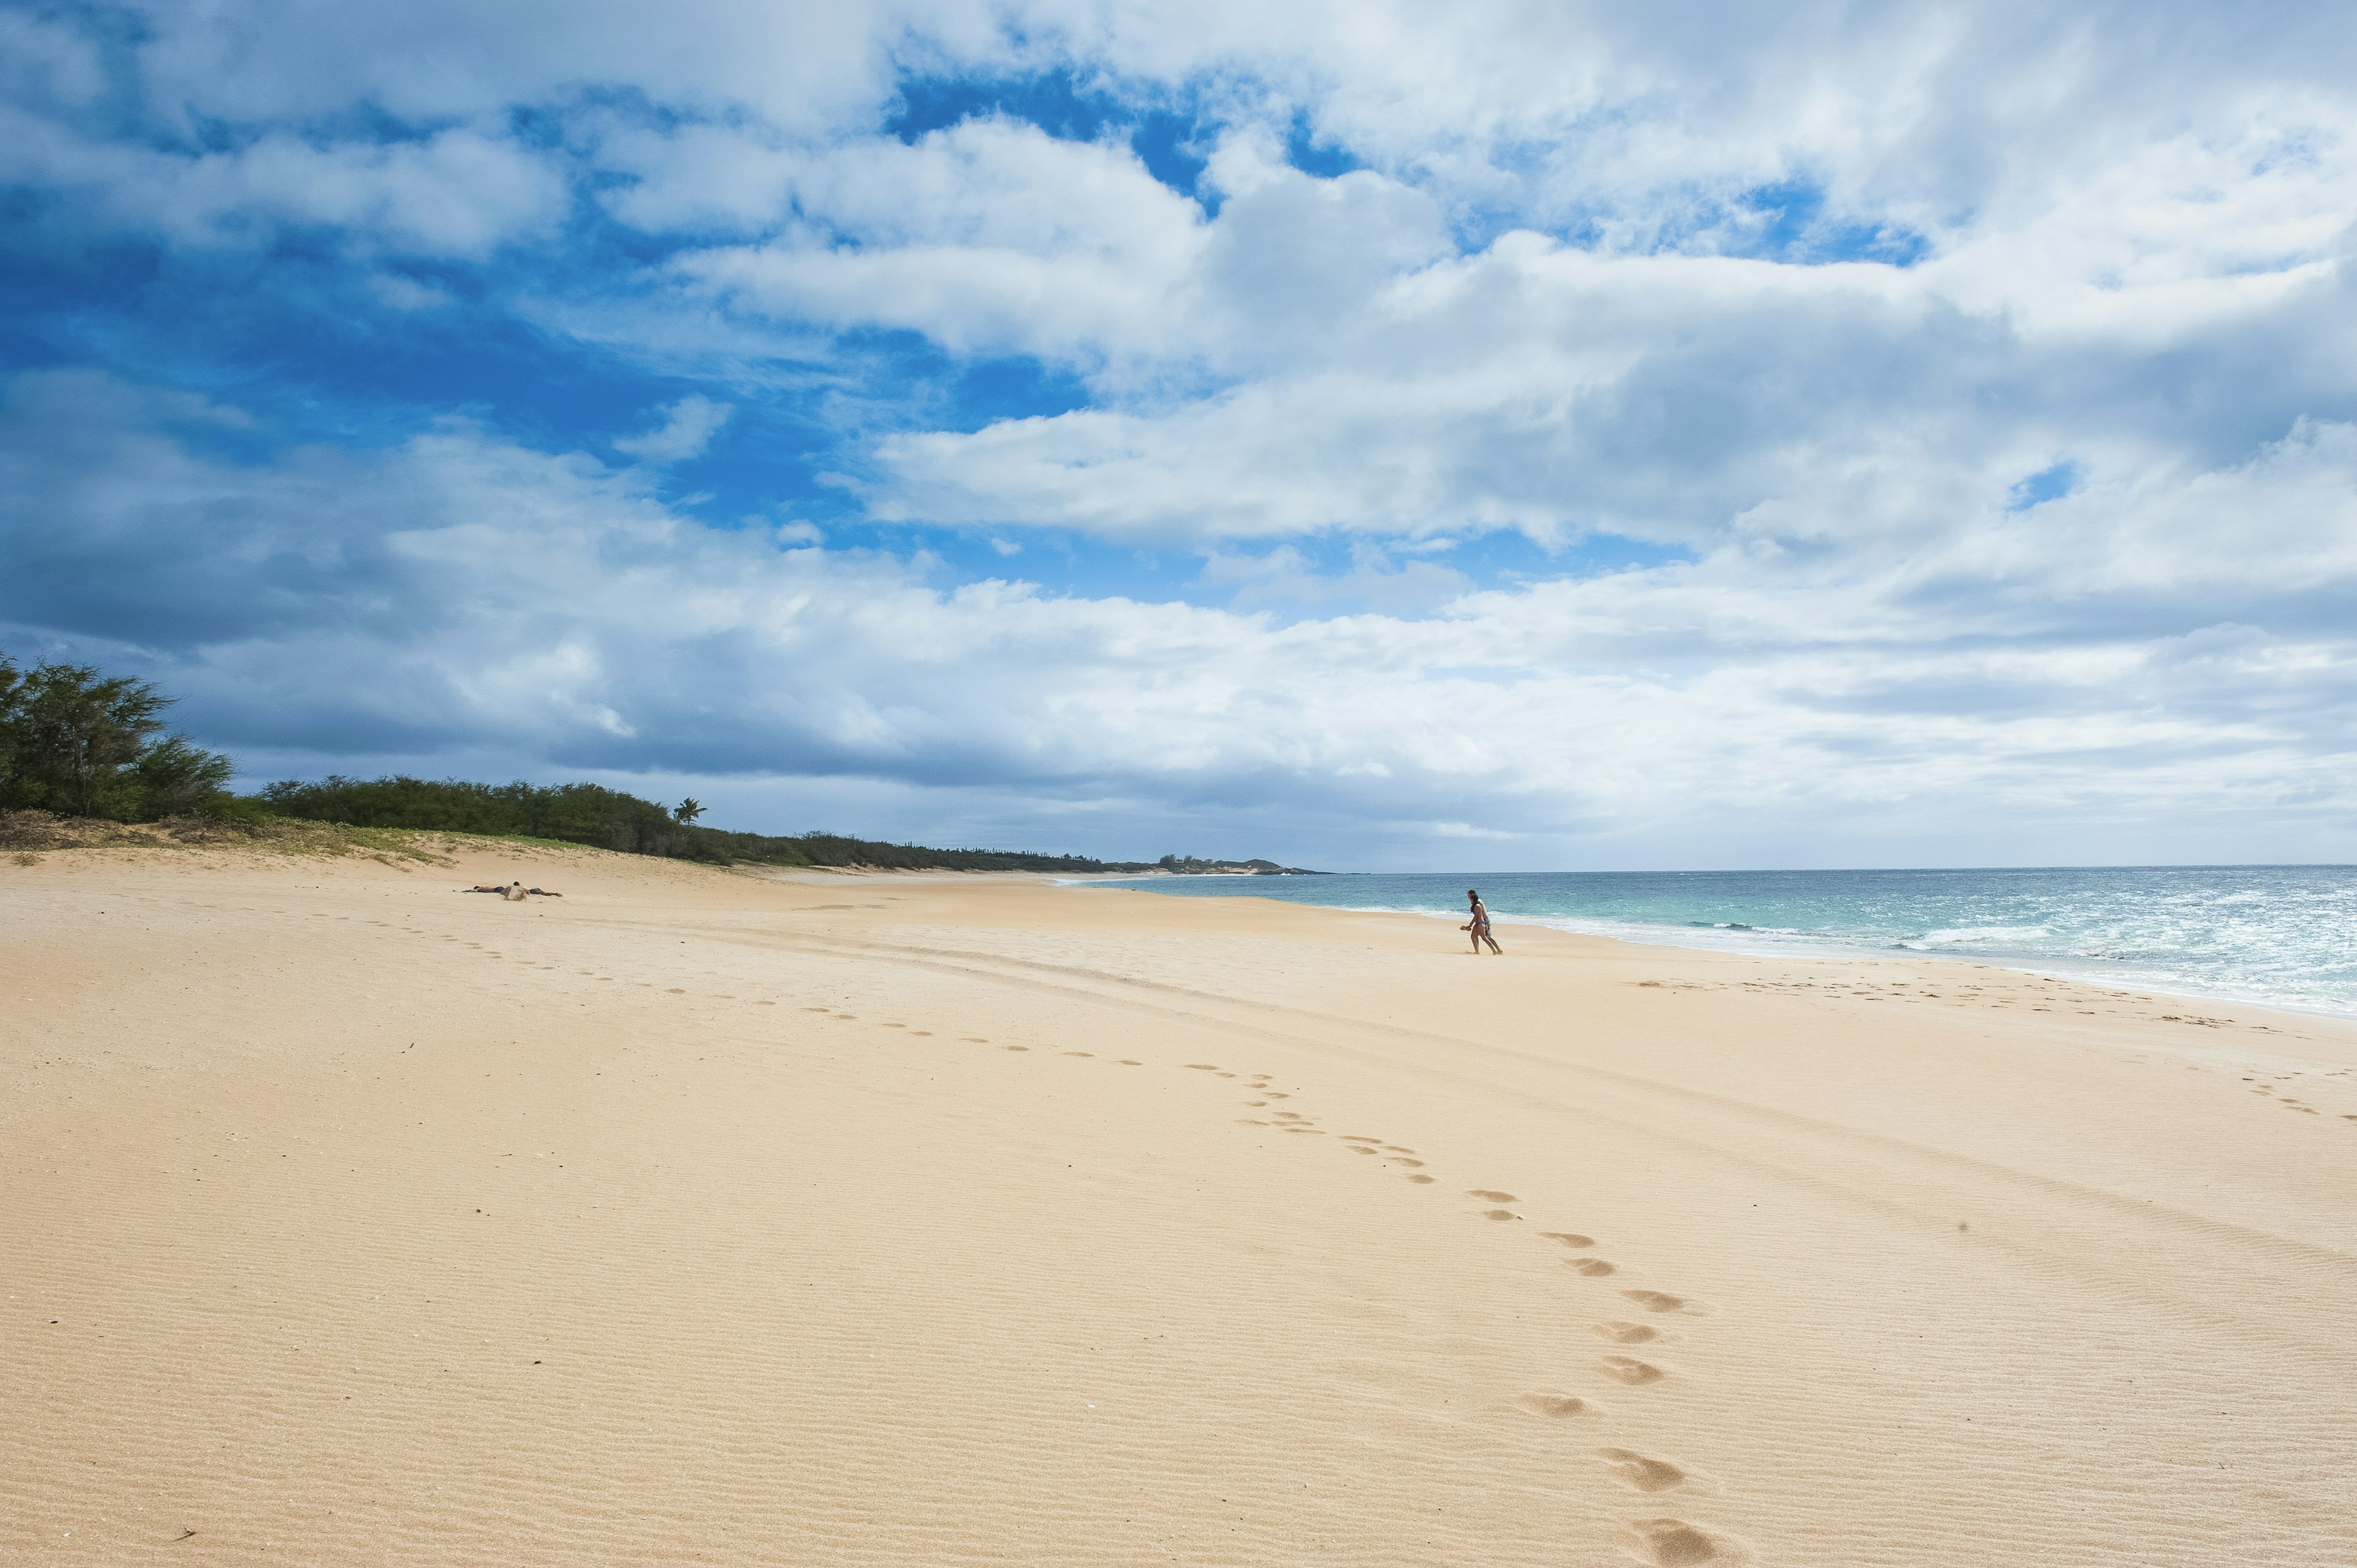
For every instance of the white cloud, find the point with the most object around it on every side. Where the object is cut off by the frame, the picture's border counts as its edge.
(1283, 576)
(1529, 387)
(407, 293)
(457, 193)
(1561, 296)
(989, 237)
(807, 68)
(44, 63)
(698, 177)
(1691, 399)
(687, 429)
(465, 596)
(1942, 119)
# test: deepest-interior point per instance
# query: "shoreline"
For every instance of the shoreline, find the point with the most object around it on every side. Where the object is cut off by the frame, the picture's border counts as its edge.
(967, 1220)
(1905, 960)
(1806, 947)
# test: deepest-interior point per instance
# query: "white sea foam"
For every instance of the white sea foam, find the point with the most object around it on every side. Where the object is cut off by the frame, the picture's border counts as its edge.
(1962, 936)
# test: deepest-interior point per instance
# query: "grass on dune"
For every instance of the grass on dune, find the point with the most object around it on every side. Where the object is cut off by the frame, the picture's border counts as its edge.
(30, 834)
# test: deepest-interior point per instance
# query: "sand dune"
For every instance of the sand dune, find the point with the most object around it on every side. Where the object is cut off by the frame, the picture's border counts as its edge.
(705, 1216)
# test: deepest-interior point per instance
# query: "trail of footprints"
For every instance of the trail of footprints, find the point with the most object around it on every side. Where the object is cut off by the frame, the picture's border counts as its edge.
(1664, 1542)
(1661, 1542)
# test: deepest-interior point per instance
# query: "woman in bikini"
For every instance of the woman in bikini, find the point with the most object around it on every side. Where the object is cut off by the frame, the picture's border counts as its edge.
(1480, 924)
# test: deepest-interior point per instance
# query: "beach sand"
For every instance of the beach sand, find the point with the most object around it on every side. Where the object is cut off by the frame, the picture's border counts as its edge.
(705, 1216)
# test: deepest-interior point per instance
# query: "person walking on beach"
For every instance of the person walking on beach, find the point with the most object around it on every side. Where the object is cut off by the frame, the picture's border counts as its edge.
(1480, 924)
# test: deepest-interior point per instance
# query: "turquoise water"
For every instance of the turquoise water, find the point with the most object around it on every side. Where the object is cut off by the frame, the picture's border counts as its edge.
(2282, 935)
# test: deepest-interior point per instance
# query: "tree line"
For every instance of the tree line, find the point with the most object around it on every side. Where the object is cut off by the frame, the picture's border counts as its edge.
(600, 818)
(79, 742)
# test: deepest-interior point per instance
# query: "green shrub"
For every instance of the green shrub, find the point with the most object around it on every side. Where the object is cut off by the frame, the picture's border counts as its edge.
(594, 815)
(80, 743)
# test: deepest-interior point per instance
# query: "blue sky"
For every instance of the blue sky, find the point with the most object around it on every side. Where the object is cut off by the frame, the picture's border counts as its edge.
(1366, 436)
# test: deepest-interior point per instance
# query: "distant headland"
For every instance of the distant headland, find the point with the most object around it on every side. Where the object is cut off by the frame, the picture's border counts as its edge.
(1188, 865)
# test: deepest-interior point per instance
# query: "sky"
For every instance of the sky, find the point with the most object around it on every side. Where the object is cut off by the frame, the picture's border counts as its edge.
(1369, 435)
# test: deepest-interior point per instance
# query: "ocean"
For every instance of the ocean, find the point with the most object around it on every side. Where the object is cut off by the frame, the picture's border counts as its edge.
(2282, 935)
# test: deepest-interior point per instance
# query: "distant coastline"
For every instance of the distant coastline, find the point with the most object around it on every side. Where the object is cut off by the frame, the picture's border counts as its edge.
(1188, 865)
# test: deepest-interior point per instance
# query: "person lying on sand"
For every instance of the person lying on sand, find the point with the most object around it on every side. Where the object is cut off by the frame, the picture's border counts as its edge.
(515, 892)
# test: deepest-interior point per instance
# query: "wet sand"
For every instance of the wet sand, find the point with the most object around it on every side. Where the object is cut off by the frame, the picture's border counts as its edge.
(708, 1217)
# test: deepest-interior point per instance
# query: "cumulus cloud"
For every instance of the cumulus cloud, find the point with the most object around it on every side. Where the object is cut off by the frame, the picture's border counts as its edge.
(1543, 388)
(1530, 387)
(1285, 576)
(1948, 125)
(806, 67)
(990, 236)
(462, 593)
(687, 429)
(457, 193)
(43, 61)
(1808, 300)
(406, 294)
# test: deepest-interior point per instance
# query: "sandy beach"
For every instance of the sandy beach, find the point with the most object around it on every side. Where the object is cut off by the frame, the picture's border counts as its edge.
(709, 1216)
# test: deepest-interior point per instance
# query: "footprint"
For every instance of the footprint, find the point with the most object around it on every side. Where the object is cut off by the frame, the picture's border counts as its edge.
(1412, 1164)
(676, 990)
(1551, 1404)
(1403, 1149)
(1202, 1066)
(1421, 1181)
(976, 1040)
(1126, 1062)
(1500, 1214)
(1630, 1370)
(1656, 1301)
(1360, 1138)
(1361, 1149)
(1674, 1544)
(1491, 1195)
(1645, 1475)
(1079, 1053)
(1015, 1047)
(1569, 1238)
(1627, 1332)
(1594, 1268)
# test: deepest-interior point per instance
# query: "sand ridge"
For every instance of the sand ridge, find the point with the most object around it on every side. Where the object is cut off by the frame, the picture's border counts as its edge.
(705, 1215)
